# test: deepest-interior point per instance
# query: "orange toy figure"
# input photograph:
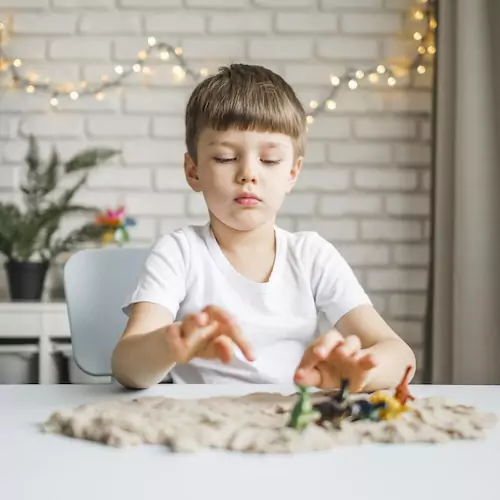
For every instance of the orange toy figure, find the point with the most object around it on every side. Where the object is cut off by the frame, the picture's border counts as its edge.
(402, 393)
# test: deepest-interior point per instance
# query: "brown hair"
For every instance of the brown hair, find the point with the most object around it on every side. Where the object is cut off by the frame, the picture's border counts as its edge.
(246, 97)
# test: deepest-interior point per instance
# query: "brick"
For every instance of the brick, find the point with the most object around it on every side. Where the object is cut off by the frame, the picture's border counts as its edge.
(79, 49)
(170, 179)
(396, 280)
(9, 127)
(117, 126)
(216, 4)
(170, 224)
(149, 101)
(314, 153)
(427, 230)
(332, 230)
(372, 23)
(294, 22)
(349, 48)
(405, 101)
(259, 22)
(359, 153)
(283, 48)
(407, 306)
(365, 254)
(411, 332)
(8, 177)
(426, 181)
(88, 104)
(121, 178)
(385, 179)
(169, 127)
(412, 154)
(144, 230)
(350, 4)
(164, 4)
(44, 24)
(153, 152)
(322, 179)
(311, 73)
(359, 101)
(29, 48)
(175, 23)
(19, 102)
(398, 4)
(155, 204)
(87, 4)
(221, 48)
(328, 127)
(426, 130)
(406, 204)
(127, 48)
(23, 4)
(93, 198)
(113, 23)
(385, 128)
(53, 125)
(299, 204)
(284, 3)
(411, 255)
(196, 205)
(391, 230)
(398, 47)
(55, 72)
(350, 204)
(286, 223)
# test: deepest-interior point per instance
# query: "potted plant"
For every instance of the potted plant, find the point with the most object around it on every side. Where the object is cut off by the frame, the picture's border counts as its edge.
(28, 234)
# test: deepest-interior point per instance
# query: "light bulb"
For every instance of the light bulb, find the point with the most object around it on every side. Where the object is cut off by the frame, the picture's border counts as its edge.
(310, 119)
(178, 51)
(421, 69)
(164, 55)
(433, 24)
(54, 101)
(352, 84)
(99, 96)
(360, 74)
(30, 89)
(334, 80)
(119, 69)
(204, 72)
(151, 41)
(313, 104)
(417, 35)
(419, 15)
(146, 70)
(421, 49)
(373, 77)
(136, 67)
(142, 55)
(17, 63)
(74, 95)
(381, 69)
(331, 104)
(431, 49)
(391, 81)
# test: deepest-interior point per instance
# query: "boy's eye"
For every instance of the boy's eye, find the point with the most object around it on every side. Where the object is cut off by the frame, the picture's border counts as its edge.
(270, 162)
(224, 160)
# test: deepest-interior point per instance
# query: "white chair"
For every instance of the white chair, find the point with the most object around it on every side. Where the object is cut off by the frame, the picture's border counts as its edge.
(96, 284)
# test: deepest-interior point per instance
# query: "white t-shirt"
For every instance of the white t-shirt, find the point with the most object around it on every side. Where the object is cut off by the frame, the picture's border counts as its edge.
(186, 270)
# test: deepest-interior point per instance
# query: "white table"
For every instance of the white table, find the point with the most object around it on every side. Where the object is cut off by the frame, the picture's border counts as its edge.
(38, 466)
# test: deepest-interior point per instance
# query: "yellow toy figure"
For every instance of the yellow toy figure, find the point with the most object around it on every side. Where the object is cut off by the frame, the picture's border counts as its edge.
(395, 404)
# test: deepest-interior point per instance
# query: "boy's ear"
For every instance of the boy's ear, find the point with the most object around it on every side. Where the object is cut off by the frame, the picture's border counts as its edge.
(191, 173)
(294, 173)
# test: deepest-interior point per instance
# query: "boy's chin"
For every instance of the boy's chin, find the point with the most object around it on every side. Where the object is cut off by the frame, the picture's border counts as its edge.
(246, 222)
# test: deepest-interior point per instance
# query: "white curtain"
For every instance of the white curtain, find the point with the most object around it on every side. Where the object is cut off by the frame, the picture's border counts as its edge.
(463, 336)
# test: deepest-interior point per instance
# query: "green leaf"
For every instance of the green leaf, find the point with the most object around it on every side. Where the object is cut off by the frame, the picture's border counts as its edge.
(88, 232)
(89, 158)
(32, 157)
(49, 181)
(10, 218)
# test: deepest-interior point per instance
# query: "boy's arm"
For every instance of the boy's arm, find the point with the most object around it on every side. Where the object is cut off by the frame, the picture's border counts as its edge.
(391, 352)
(141, 358)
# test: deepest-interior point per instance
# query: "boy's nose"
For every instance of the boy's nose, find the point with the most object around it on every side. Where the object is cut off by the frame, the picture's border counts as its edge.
(246, 174)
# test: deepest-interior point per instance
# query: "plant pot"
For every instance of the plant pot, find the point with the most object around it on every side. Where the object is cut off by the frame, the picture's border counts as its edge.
(26, 279)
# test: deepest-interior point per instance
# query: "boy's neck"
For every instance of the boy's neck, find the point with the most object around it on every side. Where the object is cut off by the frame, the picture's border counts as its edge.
(231, 240)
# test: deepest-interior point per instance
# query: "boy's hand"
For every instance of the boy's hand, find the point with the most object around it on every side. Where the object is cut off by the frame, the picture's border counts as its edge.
(208, 334)
(330, 358)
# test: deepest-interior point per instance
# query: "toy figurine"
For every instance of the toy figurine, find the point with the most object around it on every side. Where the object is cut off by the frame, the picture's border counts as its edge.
(402, 393)
(393, 408)
(336, 407)
(363, 409)
(303, 412)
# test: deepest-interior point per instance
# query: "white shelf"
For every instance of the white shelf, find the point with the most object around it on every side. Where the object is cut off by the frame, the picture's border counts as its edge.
(42, 321)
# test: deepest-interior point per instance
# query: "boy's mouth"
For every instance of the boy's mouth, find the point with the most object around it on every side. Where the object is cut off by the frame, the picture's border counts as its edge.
(247, 199)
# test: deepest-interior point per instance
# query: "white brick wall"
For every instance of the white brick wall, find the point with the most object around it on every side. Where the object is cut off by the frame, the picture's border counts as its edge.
(366, 181)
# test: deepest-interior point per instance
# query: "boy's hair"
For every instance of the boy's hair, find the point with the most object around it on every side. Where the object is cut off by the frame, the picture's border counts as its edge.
(245, 97)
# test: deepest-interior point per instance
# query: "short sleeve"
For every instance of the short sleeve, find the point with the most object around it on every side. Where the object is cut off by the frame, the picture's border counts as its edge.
(335, 286)
(163, 276)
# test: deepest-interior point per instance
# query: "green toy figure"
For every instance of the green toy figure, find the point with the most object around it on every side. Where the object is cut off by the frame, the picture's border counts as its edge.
(303, 412)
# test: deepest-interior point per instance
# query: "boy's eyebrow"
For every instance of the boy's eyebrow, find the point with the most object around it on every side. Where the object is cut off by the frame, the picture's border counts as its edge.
(269, 144)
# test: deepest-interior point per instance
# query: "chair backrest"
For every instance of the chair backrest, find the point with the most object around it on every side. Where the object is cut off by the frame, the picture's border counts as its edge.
(96, 284)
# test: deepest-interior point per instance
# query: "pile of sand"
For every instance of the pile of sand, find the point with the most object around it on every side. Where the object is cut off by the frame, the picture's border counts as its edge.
(256, 423)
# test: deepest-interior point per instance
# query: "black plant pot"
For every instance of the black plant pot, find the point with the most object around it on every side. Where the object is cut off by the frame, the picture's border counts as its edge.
(26, 279)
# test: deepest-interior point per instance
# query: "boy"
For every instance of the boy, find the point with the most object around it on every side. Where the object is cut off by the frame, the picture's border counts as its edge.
(238, 299)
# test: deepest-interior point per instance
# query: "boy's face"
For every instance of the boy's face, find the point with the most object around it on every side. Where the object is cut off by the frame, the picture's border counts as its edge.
(243, 175)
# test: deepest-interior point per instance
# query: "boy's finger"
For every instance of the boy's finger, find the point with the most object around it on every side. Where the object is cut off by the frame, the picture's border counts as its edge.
(190, 324)
(224, 348)
(367, 362)
(351, 345)
(310, 377)
(326, 343)
(202, 336)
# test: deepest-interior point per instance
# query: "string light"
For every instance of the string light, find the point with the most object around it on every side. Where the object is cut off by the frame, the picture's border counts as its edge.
(421, 69)
(381, 69)
(373, 77)
(331, 104)
(178, 51)
(421, 50)
(164, 55)
(352, 84)
(335, 80)
(99, 96)
(119, 70)
(360, 74)
(313, 104)
(309, 119)
(417, 35)
(203, 72)
(151, 41)
(391, 81)
(419, 15)
(17, 63)
(433, 24)
(74, 95)
(54, 101)
(30, 89)
(431, 49)
(137, 67)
